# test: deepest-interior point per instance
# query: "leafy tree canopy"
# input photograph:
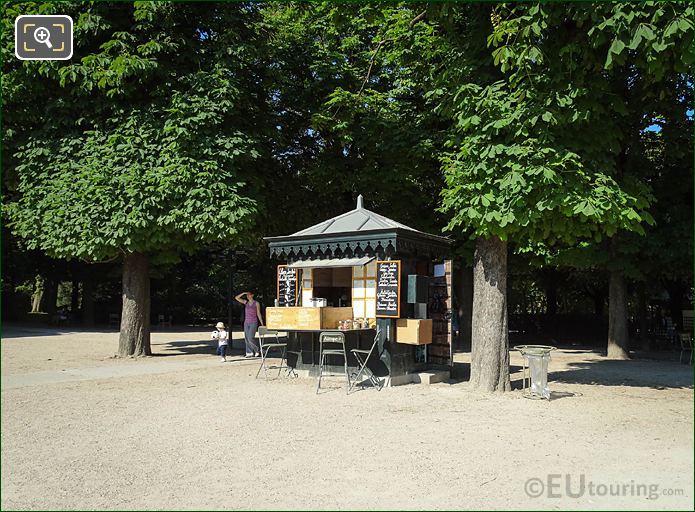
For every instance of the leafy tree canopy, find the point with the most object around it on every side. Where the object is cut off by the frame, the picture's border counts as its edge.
(147, 144)
(535, 151)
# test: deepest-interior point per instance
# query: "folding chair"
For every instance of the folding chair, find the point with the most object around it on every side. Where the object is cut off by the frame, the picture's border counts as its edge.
(336, 340)
(264, 332)
(362, 357)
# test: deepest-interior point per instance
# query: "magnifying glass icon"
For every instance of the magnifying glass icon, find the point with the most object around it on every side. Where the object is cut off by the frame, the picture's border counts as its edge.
(43, 36)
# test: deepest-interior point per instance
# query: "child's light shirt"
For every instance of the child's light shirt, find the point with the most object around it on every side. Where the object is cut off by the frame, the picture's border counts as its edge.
(221, 336)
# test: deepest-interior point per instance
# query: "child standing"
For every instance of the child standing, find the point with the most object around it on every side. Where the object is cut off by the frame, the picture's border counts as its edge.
(222, 338)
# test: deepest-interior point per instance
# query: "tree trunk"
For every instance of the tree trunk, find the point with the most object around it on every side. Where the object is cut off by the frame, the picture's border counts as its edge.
(675, 290)
(490, 338)
(50, 296)
(75, 297)
(464, 279)
(230, 295)
(618, 336)
(551, 299)
(599, 301)
(642, 314)
(88, 302)
(134, 338)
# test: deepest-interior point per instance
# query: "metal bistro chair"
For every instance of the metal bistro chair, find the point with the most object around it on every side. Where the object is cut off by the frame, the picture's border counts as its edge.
(263, 333)
(686, 346)
(332, 344)
(362, 357)
(163, 322)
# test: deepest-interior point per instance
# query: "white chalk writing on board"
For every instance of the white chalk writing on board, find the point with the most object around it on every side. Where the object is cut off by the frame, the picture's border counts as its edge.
(287, 286)
(388, 289)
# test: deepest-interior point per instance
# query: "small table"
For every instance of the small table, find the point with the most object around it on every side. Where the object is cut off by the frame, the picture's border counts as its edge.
(535, 366)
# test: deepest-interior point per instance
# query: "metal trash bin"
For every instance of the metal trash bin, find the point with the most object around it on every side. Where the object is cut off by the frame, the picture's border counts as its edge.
(535, 370)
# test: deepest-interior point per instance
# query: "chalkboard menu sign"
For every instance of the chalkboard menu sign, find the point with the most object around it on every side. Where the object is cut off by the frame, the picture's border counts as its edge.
(388, 291)
(287, 286)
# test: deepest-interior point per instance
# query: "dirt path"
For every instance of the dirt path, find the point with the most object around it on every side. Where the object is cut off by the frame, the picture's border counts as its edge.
(187, 432)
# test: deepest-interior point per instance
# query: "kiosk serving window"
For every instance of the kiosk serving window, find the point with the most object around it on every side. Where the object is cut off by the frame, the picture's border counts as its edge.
(333, 284)
(342, 286)
(364, 291)
(307, 287)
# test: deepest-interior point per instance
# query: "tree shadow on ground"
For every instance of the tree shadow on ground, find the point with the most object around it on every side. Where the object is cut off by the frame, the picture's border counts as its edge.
(34, 331)
(16, 330)
(638, 373)
(192, 347)
(557, 395)
(461, 372)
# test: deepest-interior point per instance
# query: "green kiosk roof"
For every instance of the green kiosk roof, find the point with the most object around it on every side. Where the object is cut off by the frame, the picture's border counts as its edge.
(355, 234)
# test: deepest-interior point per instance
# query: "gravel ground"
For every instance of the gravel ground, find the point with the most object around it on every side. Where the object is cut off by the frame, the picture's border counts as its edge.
(81, 430)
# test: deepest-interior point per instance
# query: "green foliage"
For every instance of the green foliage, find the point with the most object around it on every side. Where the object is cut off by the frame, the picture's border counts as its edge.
(348, 94)
(542, 151)
(628, 66)
(654, 36)
(510, 176)
(178, 124)
(142, 185)
(141, 148)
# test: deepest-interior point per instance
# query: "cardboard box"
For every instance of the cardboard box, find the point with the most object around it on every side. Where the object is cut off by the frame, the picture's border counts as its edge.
(412, 331)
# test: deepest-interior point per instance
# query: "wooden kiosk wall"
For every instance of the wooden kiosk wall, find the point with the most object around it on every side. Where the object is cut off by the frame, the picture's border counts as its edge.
(399, 358)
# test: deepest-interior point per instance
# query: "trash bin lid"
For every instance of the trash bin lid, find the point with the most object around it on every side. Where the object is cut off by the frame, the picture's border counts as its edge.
(534, 350)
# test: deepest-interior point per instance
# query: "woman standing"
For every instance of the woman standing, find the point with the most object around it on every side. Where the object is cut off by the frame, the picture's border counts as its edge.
(252, 317)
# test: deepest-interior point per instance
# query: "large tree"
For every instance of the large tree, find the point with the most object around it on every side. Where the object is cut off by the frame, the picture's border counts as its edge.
(143, 142)
(631, 64)
(526, 161)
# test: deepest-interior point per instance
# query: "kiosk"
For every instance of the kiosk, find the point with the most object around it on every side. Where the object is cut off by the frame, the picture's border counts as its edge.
(358, 272)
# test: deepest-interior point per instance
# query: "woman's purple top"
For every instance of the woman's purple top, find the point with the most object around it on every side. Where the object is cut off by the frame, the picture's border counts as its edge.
(250, 313)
